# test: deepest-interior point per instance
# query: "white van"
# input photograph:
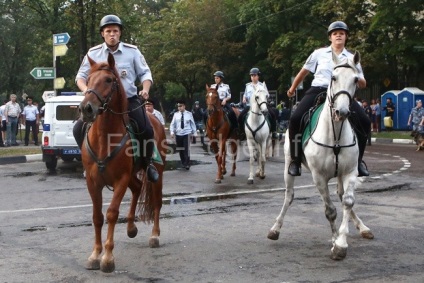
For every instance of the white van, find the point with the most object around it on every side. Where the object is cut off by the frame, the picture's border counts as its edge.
(60, 115)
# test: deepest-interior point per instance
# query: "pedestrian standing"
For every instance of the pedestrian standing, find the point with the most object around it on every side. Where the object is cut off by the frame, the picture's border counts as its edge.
(368, 111)
(182, 126)
(3, 126)
(12, 113)
(198, 114)
(31, 120)
(416, 116)
(150, 107)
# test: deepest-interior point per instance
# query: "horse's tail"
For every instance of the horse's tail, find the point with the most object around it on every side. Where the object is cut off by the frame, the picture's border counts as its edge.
(146, 206)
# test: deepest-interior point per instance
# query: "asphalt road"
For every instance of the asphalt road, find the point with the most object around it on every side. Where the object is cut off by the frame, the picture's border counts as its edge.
(216, 232)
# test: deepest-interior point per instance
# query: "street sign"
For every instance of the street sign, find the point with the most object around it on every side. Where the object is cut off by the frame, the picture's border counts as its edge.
(61, 38)
(43, 73)
(59, 83)
(60, 50)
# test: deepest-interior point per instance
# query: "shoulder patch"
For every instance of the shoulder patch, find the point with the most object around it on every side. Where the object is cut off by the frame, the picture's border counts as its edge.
(129, 45)
(95, 47)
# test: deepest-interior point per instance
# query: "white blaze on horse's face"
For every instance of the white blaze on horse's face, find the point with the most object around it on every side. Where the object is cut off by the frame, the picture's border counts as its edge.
(342, 88)
(259, 100)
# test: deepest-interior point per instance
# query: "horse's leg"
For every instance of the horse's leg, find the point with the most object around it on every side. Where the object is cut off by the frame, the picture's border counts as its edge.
(339, 249)
(215, 148)
(223, 157)
(156, 200)
(363, 229)
(233, 147)
(262, 158)
(135, 187)
(93, 262)
(107, 263)
(251, 145)
(274, 232)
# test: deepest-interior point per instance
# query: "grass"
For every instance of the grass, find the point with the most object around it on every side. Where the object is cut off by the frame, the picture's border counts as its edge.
(21, 149)
(392, 135)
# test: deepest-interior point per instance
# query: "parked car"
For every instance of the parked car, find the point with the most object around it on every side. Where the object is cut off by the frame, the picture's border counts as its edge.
(60, 115)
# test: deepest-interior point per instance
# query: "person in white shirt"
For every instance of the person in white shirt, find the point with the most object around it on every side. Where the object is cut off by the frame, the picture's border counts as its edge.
(182, 126)
(3, 126)
(12, 112)
(31, 120)
(149, 105)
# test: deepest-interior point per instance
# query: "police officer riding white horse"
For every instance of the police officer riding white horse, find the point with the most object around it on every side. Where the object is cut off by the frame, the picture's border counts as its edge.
(248, 92)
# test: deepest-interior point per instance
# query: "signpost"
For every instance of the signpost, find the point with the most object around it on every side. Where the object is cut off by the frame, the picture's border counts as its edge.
(43, 73)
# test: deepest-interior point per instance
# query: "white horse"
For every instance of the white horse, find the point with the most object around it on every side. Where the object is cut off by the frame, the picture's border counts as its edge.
(332, 151)
(257, 131)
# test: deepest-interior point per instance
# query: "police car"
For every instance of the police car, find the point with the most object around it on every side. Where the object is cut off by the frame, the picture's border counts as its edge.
(60, 115)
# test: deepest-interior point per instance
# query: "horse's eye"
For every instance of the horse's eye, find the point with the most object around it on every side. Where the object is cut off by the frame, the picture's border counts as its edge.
(333, 78)
(109, 80)
(356, 80)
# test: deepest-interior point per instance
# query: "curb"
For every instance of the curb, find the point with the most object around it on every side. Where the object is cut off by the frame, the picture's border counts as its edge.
(39, 157)
(21, 159)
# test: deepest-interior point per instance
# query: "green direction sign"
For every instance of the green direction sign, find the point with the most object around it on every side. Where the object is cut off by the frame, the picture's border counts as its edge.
(42, 73)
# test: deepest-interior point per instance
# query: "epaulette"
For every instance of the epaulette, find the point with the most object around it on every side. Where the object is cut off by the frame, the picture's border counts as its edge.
(129, 45)
(249, 83)
(95, 47)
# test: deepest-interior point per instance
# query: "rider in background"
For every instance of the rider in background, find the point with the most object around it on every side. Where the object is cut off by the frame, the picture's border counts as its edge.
(321, 64)
(224, 93)
(248, 92)
(198, 115)
(131, 66)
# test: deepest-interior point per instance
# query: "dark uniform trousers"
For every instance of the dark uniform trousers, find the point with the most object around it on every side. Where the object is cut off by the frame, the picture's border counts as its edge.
(359, 120)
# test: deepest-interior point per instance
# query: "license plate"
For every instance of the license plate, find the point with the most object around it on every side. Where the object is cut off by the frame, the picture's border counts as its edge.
(71, 151)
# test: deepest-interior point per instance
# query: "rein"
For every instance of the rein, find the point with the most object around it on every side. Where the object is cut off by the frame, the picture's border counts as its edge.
(336, 147)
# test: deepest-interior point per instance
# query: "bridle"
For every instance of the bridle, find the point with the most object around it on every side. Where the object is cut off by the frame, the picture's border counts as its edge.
(215, 108)
(104, 102)
(259, 114)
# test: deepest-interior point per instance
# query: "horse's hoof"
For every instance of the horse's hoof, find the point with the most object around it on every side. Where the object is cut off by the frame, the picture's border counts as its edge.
(132, 232)
(338, 253)
(218, 181)
(273, 235)
(250, 182)
(262, 177)
(107, 267)
(257, 174)
(92, 264)
(154, 242)
(233, 174)
(224, 172)
(367, 235)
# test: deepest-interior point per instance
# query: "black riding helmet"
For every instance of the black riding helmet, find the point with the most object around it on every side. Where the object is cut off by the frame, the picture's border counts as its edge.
(219, 74)
(110, 20)
(337, 25)
(254, 71)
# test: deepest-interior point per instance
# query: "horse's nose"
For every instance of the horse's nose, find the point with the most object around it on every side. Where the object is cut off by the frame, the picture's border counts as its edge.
(88, 112)
(342, 113)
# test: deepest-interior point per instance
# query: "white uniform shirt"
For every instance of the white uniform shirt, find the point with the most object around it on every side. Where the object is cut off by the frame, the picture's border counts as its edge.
(2, 114)
(158, 115)
(129, 62)
(189, 125)
(223, 90)
(320, 62)
(250, 89)
(30, 112)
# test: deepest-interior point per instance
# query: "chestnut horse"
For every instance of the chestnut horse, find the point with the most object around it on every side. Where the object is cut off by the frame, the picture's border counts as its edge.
(108, 158)
(219, 132)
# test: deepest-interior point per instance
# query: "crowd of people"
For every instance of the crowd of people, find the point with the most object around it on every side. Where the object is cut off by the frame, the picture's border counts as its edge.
(13, 114)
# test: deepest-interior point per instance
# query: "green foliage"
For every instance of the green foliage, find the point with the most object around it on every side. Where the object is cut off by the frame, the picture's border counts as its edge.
(186, 41)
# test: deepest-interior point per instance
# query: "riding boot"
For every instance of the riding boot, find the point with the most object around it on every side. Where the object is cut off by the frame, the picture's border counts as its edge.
(79, 132)
(295, 167)
(362, 167)
(152, 172)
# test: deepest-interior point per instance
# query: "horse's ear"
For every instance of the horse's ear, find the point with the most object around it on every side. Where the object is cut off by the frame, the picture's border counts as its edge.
(91, 61)
(111, 60)
(207, 87)
(356, 57)
(265, 86)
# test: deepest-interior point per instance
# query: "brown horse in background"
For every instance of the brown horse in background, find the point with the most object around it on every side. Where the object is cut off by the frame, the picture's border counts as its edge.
(219, 132)
(108, 158)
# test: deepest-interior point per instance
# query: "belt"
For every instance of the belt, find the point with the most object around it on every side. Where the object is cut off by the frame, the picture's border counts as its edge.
(12, 116)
